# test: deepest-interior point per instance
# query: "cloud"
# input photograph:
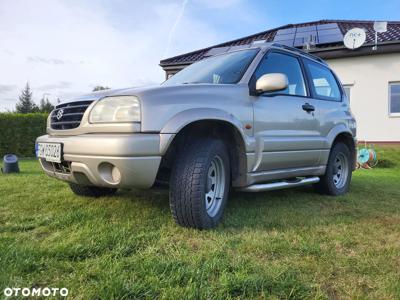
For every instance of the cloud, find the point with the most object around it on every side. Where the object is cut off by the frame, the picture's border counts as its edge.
(8, 99)
(173, 29)
(8, 52)
(85, 43)
(58, 86)
(5, 88)
(54, 61)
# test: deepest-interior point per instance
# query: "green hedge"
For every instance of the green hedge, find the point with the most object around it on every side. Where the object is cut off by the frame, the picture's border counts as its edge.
(18, 133)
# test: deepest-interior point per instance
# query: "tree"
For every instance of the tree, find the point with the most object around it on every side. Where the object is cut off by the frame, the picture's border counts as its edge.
(45, 105)
(100, 88)
(26, 104)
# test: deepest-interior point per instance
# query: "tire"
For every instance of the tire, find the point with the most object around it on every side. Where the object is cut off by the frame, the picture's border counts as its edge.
(91, 191)
(340, 161)
(199, 184)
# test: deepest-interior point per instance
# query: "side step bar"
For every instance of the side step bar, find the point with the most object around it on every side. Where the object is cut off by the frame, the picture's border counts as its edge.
(279, 185)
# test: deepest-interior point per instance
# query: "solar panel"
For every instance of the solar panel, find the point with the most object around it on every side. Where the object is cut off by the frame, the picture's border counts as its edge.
(306, 34)
(329, 31)
(319, 34)
(283, 37)
(327, 26)
(287, 42)
(305, 29)
(300, 42)
(217, 50)
(329, 39)
(286, 31)
(233, 48)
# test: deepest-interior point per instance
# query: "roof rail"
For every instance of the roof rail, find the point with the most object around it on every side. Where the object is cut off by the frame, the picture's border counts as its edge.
(300, 52)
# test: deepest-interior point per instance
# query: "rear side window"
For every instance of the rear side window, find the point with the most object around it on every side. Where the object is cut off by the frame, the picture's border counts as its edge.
(281, 63)
(323, 83)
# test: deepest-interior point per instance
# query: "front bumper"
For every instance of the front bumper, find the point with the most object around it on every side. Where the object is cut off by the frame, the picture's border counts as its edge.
(108, 160)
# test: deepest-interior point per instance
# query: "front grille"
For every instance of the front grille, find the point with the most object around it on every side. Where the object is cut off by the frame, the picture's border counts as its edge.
(63, 168)
(68, 115)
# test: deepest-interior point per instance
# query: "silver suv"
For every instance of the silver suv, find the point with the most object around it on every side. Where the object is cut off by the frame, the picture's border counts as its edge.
(260, 118)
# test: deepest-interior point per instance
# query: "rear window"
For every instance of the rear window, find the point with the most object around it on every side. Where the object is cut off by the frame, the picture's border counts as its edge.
(323, 82)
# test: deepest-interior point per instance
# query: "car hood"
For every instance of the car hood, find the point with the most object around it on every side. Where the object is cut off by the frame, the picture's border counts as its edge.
(144, 93)
(134, 91)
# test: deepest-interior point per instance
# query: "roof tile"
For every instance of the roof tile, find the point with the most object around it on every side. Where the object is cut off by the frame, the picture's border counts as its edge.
(392, 34)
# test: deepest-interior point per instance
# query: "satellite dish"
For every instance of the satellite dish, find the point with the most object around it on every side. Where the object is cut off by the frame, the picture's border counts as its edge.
(354, 38)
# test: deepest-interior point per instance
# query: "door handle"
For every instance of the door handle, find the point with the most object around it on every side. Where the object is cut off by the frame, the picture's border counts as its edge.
(308, 107)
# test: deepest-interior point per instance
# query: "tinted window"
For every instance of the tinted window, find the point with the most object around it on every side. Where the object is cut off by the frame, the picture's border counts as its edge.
(394, 89)
(222, 69)
(323, 82)
(288, 65)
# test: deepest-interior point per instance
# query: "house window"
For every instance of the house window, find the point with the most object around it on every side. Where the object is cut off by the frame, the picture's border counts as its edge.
(347, 90)
(394, 99)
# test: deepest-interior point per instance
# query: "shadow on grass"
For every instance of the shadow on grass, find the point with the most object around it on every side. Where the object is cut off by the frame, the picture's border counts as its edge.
(22, 172)
(385, 164)
(283, 209)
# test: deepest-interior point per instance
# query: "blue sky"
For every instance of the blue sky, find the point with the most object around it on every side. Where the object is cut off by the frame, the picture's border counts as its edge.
(275, 13)
(65, 47)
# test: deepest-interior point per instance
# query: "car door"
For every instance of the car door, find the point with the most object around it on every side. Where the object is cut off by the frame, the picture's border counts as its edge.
(284, 124)
(327, 96)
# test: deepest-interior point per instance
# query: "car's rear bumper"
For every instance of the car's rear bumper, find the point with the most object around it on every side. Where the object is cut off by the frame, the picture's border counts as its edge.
(109, 160)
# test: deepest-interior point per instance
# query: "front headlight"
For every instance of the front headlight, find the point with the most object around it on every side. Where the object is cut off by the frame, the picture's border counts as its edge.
(116, 109)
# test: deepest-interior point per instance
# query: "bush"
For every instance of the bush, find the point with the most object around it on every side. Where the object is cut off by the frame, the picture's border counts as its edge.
(18, 132)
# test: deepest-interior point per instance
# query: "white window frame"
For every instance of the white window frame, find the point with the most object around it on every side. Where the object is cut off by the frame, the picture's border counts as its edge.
(396, 114)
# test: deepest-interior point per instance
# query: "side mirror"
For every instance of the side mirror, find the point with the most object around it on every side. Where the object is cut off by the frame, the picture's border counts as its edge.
(271, 82)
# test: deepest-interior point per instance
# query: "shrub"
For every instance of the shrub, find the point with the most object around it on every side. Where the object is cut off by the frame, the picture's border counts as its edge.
(18, 132)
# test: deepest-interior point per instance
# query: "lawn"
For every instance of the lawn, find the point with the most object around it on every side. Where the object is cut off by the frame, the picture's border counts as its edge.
(281, 244)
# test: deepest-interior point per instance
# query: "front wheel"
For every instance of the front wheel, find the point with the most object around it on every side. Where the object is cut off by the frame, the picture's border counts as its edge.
(336, 180)
(200, 184)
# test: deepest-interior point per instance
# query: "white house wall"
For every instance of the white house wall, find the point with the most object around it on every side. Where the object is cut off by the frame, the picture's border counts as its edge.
(369, 78)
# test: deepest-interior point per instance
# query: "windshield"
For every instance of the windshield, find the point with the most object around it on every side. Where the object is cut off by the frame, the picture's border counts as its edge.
(222, 69)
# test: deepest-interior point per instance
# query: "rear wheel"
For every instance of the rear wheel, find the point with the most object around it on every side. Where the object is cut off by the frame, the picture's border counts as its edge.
(336, 180)
(91, 191)
(200, 184)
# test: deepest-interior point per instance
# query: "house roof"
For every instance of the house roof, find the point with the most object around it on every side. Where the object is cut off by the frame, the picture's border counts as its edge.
(391, 35)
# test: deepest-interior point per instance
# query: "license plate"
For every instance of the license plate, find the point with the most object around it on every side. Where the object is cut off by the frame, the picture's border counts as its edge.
(50, 152)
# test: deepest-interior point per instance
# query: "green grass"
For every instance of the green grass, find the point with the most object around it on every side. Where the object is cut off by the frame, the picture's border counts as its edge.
(282, 244)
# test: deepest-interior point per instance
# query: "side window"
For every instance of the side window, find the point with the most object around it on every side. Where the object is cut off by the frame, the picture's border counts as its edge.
(323, 82)
(288, 65)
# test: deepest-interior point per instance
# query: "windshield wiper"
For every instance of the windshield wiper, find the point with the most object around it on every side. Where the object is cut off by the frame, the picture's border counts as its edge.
(194, 82)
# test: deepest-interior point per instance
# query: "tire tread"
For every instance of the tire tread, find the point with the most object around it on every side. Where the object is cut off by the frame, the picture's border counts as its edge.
(187, 183)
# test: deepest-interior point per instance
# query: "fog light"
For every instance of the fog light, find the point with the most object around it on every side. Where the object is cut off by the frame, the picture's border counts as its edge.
(109, 173)
(116, 174)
